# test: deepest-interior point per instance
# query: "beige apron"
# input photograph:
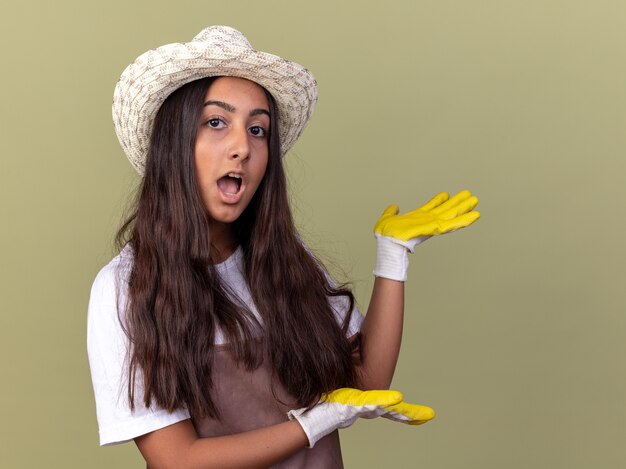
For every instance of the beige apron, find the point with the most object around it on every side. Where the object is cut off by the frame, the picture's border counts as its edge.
(248, 400)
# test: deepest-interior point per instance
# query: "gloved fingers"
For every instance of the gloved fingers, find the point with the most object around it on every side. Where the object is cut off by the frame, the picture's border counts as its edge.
(445, 226)
(412, 414)
(357, 398)
(462, 207)
(389, 212)
(434, 202)
(393, 418)
(392, 209)
(452, 202)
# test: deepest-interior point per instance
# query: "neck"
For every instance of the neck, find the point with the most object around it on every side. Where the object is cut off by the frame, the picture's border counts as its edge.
(223, 242)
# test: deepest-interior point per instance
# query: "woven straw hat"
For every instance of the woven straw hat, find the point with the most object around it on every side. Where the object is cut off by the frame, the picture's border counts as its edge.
(215, 51)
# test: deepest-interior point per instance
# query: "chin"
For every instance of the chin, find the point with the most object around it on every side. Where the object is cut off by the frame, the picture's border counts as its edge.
(225, 218)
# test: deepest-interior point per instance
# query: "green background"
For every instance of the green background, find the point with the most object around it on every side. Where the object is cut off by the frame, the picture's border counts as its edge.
(515, 329)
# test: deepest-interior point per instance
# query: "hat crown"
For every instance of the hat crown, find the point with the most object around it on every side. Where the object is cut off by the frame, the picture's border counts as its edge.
(224, 36)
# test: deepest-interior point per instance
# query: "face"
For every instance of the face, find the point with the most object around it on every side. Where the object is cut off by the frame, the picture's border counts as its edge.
(231, 149)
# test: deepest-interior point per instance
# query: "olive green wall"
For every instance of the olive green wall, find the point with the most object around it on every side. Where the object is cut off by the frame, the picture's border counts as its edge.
(515, 329)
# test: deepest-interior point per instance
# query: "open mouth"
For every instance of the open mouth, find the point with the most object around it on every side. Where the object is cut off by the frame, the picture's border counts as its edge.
(230, 184)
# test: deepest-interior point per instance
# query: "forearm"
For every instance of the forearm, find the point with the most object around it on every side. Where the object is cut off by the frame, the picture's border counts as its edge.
(381, 334)
(178, 446)
(396, 236)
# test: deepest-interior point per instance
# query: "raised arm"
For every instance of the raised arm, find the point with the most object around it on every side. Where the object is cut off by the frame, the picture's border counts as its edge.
(381, 334)
(397, 235)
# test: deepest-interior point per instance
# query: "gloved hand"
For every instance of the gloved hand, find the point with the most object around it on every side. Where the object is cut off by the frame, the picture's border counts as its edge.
(398, 234)
(341, 408)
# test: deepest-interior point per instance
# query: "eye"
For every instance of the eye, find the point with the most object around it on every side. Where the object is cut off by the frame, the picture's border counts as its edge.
(215, 123)
(257, 131)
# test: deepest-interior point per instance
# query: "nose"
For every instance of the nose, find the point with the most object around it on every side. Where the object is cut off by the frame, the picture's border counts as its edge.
(239, 148)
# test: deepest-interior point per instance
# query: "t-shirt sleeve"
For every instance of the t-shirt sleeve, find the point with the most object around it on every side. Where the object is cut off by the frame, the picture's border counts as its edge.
(340, 305)
(107, 349)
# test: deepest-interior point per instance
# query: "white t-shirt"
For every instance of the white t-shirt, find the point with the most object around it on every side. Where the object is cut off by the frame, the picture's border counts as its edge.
(107, 348)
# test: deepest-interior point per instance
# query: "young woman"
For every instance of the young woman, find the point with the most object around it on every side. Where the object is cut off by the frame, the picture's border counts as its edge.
(215, 337)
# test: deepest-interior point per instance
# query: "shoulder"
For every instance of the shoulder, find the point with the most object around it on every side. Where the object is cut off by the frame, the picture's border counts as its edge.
(340, 304)
(112, 279)
(108, 296)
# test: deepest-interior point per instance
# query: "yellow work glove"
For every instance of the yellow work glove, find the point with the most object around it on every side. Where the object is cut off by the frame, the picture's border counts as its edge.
(341, 408)
(398, 234)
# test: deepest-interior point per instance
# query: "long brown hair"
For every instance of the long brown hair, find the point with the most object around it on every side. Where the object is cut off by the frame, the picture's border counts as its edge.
(175, 296)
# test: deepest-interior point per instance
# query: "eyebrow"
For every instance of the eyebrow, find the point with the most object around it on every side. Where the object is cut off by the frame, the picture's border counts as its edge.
(229, 108)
